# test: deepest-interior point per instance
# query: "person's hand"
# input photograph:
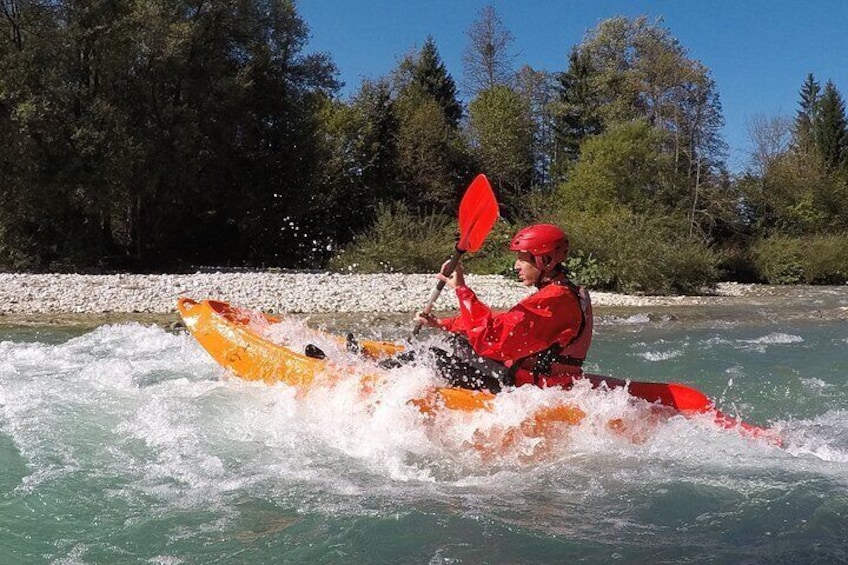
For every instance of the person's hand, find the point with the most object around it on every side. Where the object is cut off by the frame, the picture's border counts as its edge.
(455, 279)
(428, 320)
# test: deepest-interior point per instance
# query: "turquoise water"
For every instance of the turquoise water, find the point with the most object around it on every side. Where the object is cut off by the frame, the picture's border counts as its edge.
(127, 444)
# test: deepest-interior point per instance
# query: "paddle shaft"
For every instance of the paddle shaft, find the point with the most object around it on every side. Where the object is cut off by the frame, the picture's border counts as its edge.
(447, 271)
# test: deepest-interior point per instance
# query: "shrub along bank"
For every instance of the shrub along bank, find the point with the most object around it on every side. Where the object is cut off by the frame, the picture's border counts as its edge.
(821, 259)
(621, 252)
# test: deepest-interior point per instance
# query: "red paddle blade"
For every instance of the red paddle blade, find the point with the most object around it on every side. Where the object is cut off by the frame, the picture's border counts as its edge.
(478, 212)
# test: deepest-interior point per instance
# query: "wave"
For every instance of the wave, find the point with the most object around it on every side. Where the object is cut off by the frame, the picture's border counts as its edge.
(661, 355)
(775, 339)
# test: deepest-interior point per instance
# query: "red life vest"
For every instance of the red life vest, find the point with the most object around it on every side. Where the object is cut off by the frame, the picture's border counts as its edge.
(563, 360)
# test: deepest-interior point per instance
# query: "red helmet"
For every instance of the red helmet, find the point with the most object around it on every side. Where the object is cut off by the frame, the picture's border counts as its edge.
(546, 242)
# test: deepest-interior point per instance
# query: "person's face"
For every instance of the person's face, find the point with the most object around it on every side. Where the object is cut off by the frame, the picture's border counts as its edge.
(525, 267)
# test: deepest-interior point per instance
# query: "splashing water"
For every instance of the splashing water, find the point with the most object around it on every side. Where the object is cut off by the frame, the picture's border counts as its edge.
(129, 444)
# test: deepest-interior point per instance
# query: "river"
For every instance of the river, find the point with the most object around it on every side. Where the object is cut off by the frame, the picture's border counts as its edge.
(126, 443)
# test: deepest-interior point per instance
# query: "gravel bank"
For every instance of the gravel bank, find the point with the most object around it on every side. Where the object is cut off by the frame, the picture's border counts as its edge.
(284, 292)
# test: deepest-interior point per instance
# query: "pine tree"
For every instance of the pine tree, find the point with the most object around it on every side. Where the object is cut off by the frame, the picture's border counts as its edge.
(378, 143)
(577, 117)
(806, 117)
(831, 132)
(433, 78)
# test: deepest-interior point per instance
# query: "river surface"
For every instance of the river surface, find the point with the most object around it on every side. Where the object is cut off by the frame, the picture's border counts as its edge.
(126, 443)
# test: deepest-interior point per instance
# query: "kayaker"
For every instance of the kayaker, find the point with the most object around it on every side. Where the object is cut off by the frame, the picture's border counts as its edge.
(543, 339)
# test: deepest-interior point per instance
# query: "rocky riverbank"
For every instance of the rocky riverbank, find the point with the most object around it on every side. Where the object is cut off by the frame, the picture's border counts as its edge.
(276, 292)
(34, 297)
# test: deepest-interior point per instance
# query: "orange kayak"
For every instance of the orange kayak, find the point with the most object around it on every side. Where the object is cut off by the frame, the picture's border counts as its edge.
(234, 338)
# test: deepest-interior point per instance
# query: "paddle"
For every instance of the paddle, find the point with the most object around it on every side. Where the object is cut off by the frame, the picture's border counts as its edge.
(478, 212)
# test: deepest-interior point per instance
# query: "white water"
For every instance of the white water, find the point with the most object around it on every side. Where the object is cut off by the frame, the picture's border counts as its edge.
(144, 423)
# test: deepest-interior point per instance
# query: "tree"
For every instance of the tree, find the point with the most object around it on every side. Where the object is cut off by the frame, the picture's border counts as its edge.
(622, 168)
(793, 188)
(629, 70)
(431, 76)
(830, 131)
(66, 141)
(627, 233)
(703, 153)
(359, 161)
(432, 156)
(641, 71)
(150, 134)
(539, 92)
(501, 130)
(771, 138)
(807, 113)
(578, 111)
(487, 60)
(378, 142)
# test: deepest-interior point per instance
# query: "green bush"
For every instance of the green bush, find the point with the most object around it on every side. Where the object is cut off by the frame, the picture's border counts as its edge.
(778, 260)
(584, 268)
(626, 252)
(615, 250)
(819, 259)
(398, 241)
(827, 259)
(736, 265)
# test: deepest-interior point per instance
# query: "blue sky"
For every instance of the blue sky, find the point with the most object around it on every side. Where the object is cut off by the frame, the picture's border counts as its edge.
(759, 51)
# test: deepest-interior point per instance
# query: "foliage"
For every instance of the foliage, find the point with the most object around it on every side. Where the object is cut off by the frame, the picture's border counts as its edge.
(577, 112)
(502, 136)
(494, 258)
(538, 89)
(809, 259)
(621, 251)
(430, 75)
(585, 269)
(151, 135)
(623, 167)
(806, 116)
(830, 131)
(433, 159)
(799, 188)
(796, 194)
(627, 71)
(358, 148)
(399, 241)
(635, 69)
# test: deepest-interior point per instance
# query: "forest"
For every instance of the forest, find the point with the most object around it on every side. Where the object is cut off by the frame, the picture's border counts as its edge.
(173, 135)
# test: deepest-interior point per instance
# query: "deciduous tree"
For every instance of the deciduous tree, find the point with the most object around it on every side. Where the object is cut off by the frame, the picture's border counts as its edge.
(501, 131)
(487, 60)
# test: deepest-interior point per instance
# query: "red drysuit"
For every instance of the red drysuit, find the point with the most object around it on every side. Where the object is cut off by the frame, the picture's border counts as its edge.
(559, 314)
